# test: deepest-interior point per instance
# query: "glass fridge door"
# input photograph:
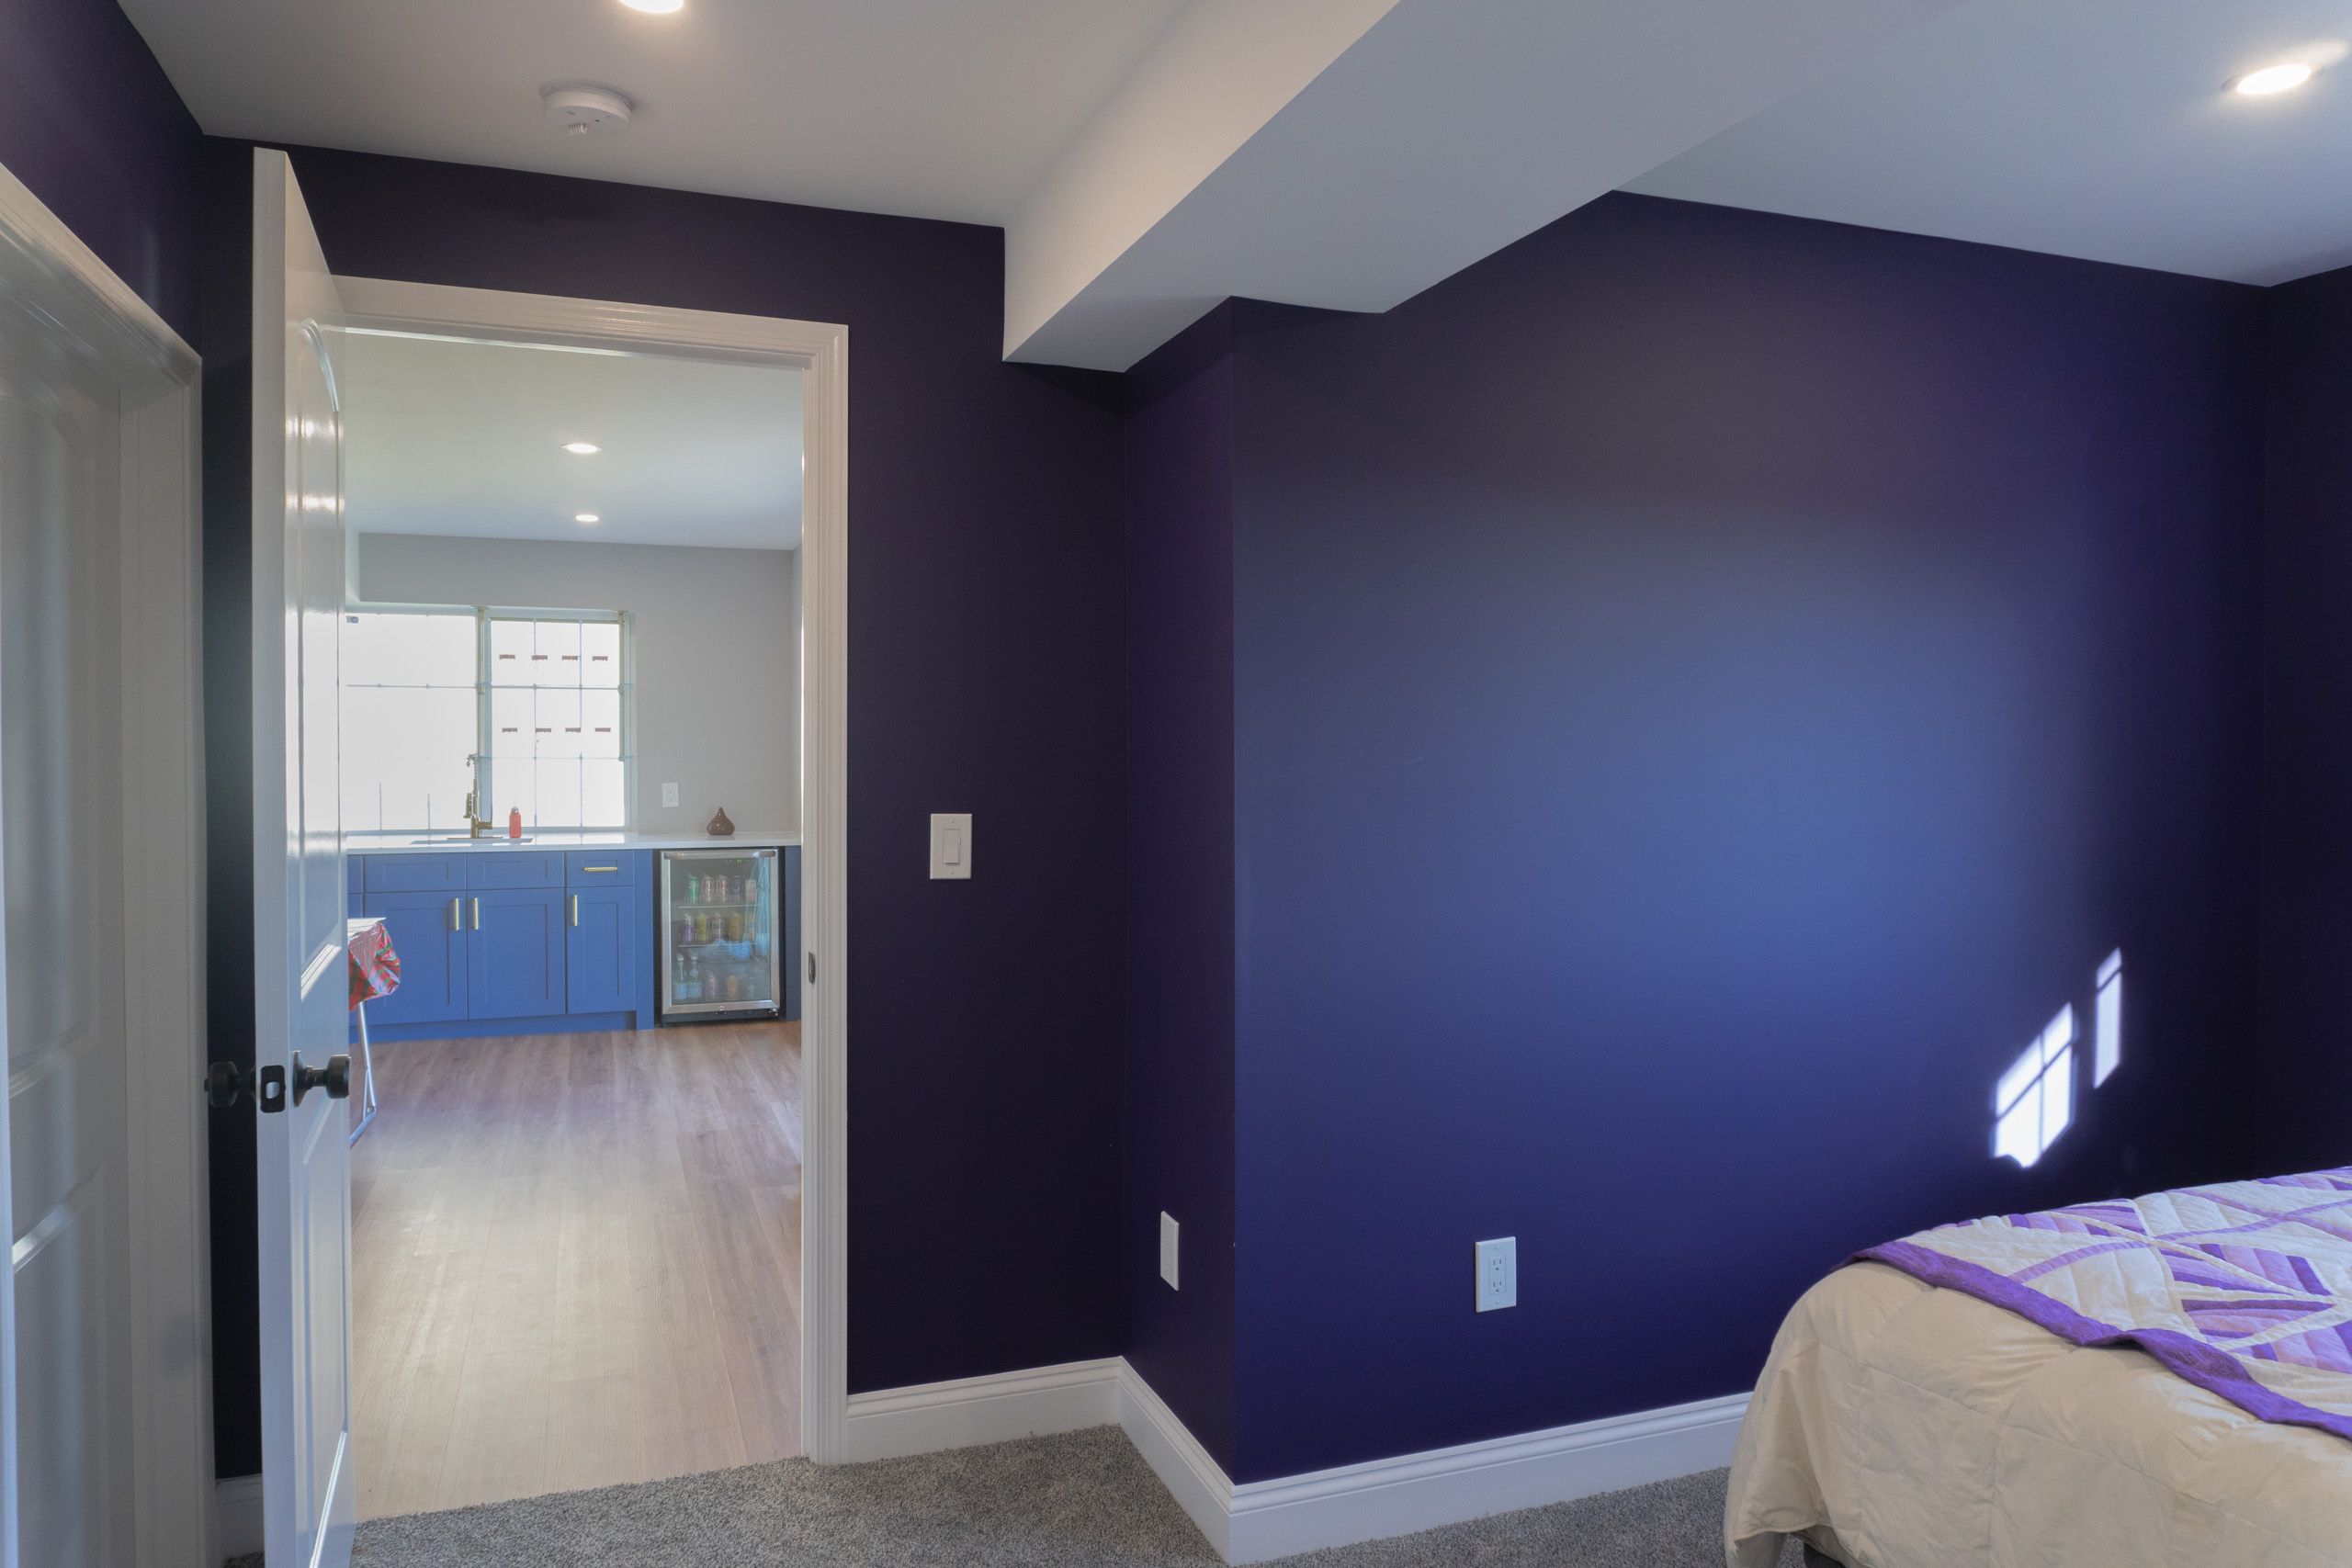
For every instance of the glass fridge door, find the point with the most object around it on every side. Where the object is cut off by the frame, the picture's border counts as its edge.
(720, 951)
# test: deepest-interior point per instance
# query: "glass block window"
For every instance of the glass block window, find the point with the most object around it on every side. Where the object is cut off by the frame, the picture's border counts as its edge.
(553, 690)
(409, 726)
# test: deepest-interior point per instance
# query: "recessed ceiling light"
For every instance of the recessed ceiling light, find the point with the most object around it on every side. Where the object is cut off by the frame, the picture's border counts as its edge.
(2284, 77)
(655, 7)
(586, 517)
(581, 448)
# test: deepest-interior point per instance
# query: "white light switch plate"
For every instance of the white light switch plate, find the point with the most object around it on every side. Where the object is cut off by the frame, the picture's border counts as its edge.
(951, 846)
(1498, 1273)
(669, 794)
(1168, 1248)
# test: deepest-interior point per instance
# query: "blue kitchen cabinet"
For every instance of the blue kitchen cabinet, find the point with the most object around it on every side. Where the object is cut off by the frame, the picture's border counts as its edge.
(511, 942)
(426, 933)
(515, 941)
(600, 949)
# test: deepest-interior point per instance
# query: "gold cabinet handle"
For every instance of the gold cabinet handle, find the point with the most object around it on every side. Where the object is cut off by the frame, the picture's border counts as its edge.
(476, 914)
(600, 868)
(575, 908)
(453, 914)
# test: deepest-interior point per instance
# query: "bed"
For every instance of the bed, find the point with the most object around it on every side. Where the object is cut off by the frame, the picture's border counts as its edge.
(2162, 1383)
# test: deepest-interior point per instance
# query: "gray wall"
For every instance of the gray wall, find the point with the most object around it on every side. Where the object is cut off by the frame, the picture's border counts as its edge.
(718, 645)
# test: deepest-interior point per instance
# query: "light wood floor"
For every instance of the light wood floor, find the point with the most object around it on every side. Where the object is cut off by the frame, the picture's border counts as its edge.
(575, 1262)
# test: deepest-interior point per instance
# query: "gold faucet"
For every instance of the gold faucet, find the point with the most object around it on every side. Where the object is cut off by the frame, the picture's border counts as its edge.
(476, 826)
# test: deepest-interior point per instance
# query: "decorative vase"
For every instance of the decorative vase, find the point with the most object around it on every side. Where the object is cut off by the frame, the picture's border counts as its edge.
(720, 828)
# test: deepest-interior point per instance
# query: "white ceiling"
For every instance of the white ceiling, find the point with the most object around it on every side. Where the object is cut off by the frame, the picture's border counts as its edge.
(933, 108)
(1434, 135)
(466, 439)
(2083, 128)
(1151, 157)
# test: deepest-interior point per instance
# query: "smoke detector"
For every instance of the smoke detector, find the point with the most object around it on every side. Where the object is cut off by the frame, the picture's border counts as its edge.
(583, 108)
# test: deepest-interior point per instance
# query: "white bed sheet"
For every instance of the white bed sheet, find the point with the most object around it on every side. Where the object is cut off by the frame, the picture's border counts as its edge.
(1903, 1426)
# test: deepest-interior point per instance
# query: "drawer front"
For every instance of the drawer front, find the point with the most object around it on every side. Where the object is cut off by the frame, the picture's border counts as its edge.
(601, 868)
(415, 874)
(515, 868)
(354, 874)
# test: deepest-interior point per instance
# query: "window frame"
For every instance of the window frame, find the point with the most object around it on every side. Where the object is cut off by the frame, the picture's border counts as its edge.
(486, 757)
(482, 763)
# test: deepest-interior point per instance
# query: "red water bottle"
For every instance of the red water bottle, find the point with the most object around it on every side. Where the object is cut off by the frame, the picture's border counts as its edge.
(514, 821)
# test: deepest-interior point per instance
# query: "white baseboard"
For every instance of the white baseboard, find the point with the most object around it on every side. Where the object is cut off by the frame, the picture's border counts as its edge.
(1194, 1479)
(927, 1418)
(1265, 1520)
(1444, 1487)
(236, 1517)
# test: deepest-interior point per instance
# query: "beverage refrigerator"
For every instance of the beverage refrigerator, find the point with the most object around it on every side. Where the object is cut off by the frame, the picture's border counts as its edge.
(721, 947)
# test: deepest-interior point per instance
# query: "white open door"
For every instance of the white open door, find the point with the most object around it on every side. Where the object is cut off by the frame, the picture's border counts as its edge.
(305, 1172)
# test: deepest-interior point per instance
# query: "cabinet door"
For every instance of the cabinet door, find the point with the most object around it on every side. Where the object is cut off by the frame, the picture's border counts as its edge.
(601, 942)
(425, 932)
(514, 958)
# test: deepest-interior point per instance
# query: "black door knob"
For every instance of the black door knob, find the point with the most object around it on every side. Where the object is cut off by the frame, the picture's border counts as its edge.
(334, 1077)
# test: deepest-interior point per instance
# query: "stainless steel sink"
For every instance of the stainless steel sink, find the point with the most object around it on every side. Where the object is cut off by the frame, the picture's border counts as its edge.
(469, 838)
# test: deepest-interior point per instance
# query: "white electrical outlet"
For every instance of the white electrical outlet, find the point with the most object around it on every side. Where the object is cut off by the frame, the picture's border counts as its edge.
(669, 794)
(1498, 1273)
(1168, 1248)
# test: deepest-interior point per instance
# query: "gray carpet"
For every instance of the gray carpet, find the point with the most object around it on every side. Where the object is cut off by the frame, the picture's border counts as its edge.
(1083, 1498)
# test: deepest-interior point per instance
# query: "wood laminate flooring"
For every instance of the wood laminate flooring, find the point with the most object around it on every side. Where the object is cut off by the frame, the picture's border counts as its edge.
(575, 1262)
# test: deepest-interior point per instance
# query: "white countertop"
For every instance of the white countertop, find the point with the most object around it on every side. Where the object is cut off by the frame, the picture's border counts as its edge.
(498, 844)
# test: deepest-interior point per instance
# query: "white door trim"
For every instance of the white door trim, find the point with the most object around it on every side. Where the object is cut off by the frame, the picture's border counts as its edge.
(164, 867)
(822, 349)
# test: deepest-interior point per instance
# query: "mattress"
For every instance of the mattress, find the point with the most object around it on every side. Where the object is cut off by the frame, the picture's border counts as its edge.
(1902, 1424)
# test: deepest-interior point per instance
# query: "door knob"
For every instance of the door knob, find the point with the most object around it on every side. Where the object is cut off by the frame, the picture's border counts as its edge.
(225, 1083)
(334, 1077)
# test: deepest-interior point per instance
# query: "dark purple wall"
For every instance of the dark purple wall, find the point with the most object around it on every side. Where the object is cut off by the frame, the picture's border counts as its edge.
(1178, 1127)
(1692, 663)
(985, 643)
(90, 123)
(2305, 1082)
(1709, 687)
(225, 339)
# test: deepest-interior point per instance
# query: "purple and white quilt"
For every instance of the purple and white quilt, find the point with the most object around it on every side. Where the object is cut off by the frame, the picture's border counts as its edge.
(2245, 1289)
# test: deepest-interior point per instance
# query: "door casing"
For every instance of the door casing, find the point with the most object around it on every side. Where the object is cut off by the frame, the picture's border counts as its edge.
(821, 350)
(98, 317)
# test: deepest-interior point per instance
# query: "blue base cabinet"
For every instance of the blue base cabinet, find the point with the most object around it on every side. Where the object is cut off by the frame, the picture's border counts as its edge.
(427, 933)
(514, 953)
(602, 953)
(511, 942)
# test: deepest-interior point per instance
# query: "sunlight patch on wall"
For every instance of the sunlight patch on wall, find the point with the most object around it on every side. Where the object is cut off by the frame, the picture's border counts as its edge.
(2107, 1025)
(2034, 1101)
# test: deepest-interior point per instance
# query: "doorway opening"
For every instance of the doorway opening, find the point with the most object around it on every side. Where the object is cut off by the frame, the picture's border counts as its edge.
(582, 714)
